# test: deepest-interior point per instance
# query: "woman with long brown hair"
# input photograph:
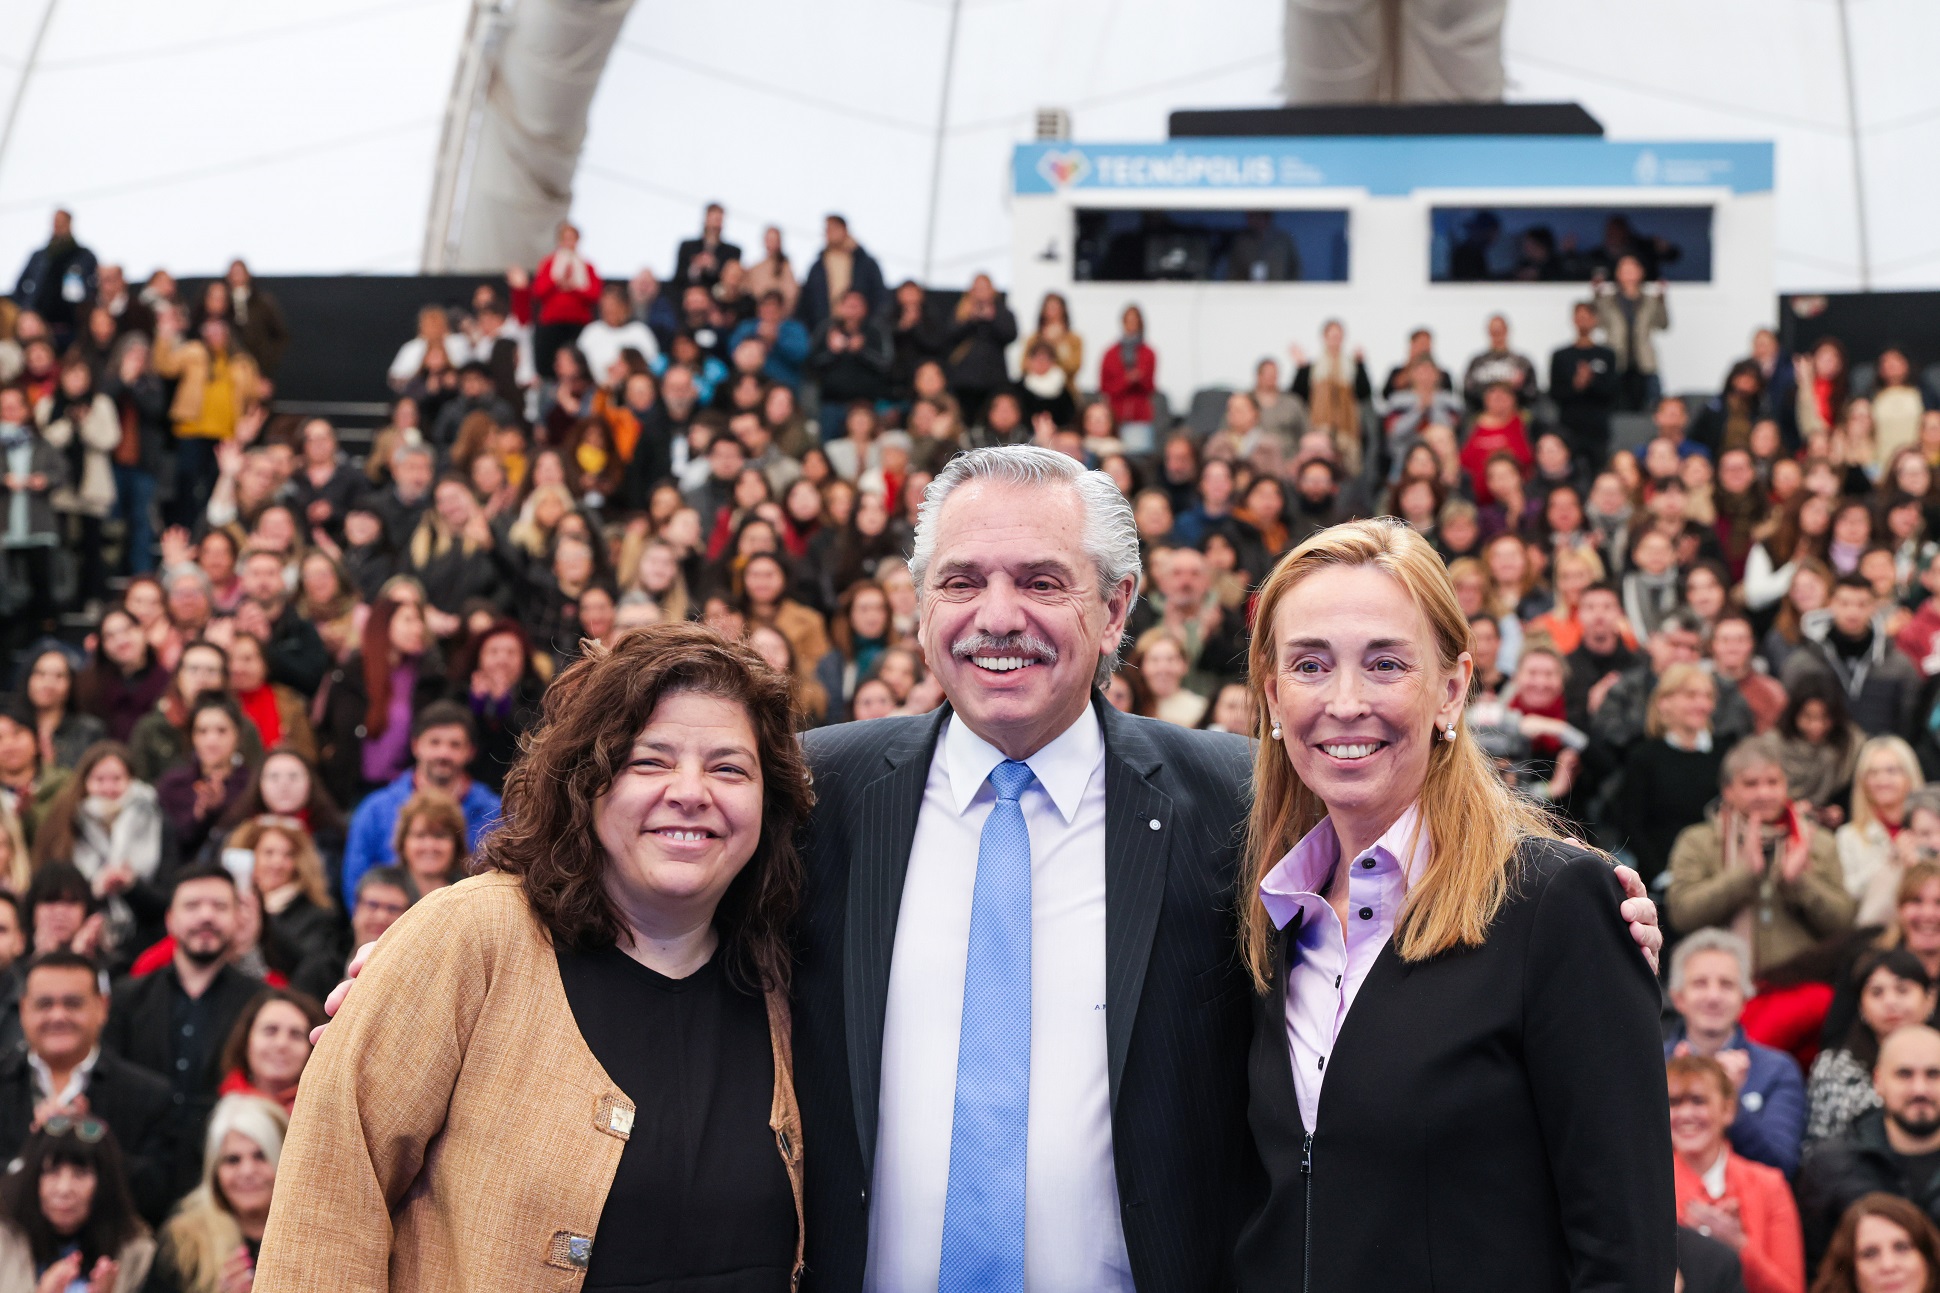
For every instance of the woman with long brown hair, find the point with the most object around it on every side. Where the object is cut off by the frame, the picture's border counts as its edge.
(396, 671)
(1498, 1088)
(1884, 1244)
(618, 977)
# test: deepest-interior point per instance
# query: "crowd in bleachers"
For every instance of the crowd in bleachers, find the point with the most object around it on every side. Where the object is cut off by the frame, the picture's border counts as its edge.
(264, 694)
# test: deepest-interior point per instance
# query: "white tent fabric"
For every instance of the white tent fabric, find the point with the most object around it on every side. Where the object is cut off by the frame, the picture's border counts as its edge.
(304, 137)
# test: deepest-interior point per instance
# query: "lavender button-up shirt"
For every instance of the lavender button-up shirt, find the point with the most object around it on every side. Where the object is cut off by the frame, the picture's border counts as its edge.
(1327, 965)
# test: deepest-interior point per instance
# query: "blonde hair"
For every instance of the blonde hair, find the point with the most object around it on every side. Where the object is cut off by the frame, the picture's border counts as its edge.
(1863, 813)
(203, 1233)
(1465, 567)
(1669, 683)
(1474, 822)
(525, 531)
(1577, 554)
(19, 869)
(303, 849)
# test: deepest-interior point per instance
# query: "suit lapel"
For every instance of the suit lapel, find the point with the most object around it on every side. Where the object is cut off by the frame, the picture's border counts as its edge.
(880, 833)
(1140, 825)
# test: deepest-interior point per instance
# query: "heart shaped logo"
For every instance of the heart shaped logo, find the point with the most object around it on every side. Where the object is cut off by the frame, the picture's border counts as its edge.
(1063, 170)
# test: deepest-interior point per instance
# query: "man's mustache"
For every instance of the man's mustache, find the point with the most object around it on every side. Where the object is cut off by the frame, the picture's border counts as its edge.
(1024, 644)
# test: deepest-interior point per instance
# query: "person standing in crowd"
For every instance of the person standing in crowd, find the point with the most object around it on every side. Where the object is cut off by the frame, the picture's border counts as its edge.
(59, 279)
(31, 472)
(1583, 380)
(698, 261)
(1631, 314)
(656, 812)
(1710, 982)
(842, 267)
(974, 342)
(1670, 776)
(1882, 686)
(1371, 800)
(850, 354)
(173, 1021)
(1128, 377)
(218, 393)
(565, 293)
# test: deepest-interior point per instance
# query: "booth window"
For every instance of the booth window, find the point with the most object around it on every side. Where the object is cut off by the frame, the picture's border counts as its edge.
(1132, 245)
(1568, 244)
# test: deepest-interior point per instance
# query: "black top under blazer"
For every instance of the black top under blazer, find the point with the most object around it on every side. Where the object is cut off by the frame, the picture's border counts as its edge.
(1493, 1119)
(1177, 1010)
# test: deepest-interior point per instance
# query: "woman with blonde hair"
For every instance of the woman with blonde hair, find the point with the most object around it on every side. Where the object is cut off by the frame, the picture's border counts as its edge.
(288, 874)
(1886, 772)
(1671, 775)
(1496, 999)
(16, 864)
(212, 1242)
(1476, 593)
(539, 516)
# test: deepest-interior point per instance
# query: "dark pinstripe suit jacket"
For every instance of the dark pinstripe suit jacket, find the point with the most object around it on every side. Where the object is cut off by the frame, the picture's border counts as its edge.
(1177, 1001)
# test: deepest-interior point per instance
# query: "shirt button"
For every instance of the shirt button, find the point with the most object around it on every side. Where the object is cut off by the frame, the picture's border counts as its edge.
(1154, 823)
(182, 1066)
(1323, 1061)
(1367, 864)
(1367, 913)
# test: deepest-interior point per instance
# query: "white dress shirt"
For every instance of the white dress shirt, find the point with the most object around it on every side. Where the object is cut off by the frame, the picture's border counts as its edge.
(1073, 1237)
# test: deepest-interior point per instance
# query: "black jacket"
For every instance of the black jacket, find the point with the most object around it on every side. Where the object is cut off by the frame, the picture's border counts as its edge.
(1707, 1265)
(295, 652)
(1839, 1169)
(134, 1102)
(340, 736)
(1177, 1020)
(1494, 1118)
(140, 1019)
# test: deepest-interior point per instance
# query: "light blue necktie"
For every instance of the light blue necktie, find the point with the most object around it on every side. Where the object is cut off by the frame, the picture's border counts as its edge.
(983, 1213)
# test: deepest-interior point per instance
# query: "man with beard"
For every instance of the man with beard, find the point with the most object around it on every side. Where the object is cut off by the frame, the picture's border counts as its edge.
(291, 646)
(1895, 1150)
(1316, 499)
(174, 1022)
(444, 738)
(661, 451)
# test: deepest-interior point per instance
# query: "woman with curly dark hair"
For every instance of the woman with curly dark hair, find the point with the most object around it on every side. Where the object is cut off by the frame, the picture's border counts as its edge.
(597, 1026)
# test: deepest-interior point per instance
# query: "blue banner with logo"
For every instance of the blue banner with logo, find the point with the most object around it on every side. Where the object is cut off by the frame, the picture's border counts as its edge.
(1392, 166)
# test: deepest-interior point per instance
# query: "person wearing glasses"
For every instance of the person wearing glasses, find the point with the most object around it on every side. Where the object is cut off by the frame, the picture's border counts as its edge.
(63, 1072)
(67, 1220)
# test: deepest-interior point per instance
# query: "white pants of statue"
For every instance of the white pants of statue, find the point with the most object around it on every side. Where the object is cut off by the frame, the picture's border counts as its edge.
(1394, 51)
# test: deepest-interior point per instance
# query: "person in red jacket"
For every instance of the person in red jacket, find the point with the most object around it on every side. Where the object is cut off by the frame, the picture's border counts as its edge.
(1128, 375)
(1744, 1205)
(565, 297)
(1498, 429)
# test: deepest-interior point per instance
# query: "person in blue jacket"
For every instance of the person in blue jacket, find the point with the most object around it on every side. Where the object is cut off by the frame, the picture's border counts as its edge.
(1710, 983)
(444, 738)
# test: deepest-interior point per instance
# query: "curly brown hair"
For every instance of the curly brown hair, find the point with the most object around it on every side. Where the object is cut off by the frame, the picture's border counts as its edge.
(593, 713)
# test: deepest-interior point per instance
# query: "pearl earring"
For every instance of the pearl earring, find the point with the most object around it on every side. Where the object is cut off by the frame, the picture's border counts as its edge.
(1448, 733)
(1277, 734)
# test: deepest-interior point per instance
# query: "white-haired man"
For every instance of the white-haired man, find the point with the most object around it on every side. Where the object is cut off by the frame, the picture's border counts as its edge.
(1710, 983)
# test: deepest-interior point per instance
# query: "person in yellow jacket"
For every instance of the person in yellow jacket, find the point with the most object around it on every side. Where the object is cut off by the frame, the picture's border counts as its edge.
(217, 384)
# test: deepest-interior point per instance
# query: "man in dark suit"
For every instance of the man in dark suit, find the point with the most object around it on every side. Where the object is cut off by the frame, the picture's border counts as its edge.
(1132, 1006)
(63, 1072)
(699, 260)
(175, 1021)
(1018, 930)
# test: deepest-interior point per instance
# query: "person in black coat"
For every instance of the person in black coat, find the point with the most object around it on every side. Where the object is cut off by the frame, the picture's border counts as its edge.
(174, 1021)
(62, 1016)
(1583, 382)
(1707, 1265)
(1891, 1150)
(1456, 1075)
(698, 261)
(864, 275)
